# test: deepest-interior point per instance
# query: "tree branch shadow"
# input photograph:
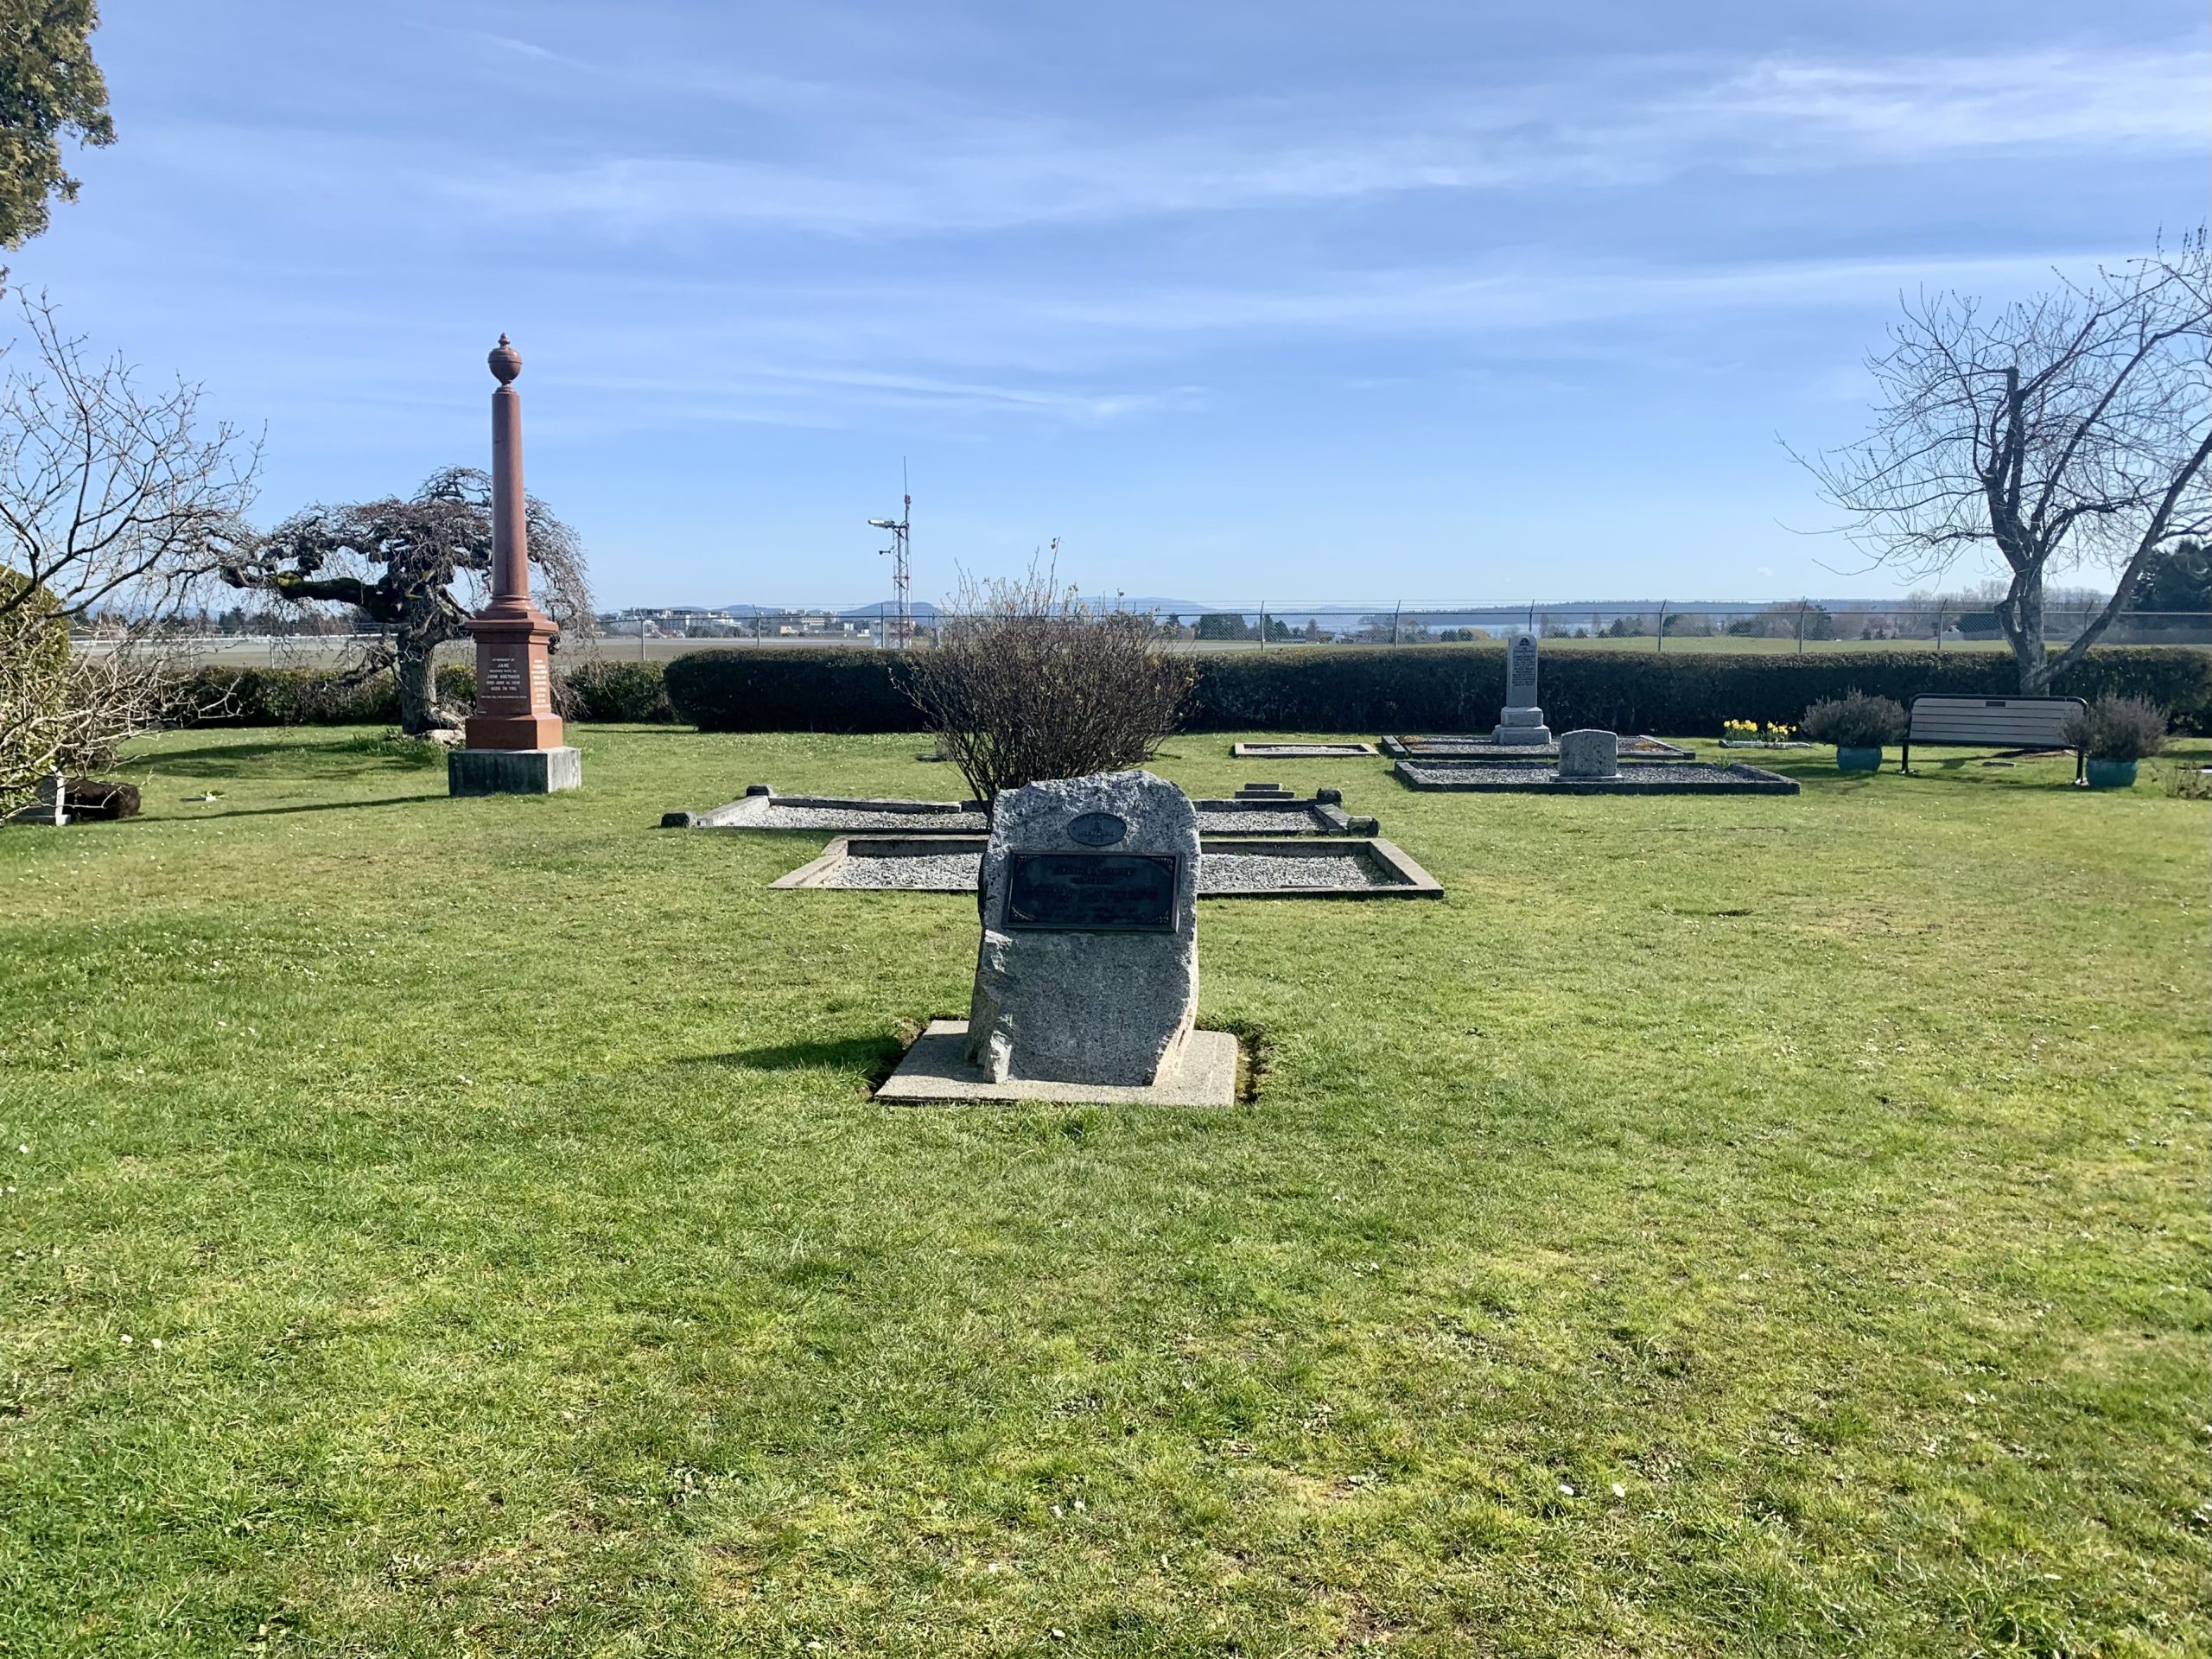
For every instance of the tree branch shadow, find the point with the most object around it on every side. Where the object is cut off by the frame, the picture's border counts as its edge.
(317, 806)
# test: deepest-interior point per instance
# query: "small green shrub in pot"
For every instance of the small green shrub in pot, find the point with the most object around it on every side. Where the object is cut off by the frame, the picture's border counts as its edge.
(1858, 725)
(2114, 732)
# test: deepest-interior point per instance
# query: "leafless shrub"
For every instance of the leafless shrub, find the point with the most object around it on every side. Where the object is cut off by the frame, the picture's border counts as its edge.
(1026, 683)
(72, 710)
(2189, 783)
(115, 503)
(112, 500)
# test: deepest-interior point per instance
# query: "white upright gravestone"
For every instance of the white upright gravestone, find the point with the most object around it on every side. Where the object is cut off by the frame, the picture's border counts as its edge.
(1522, 721)
(1087, 975)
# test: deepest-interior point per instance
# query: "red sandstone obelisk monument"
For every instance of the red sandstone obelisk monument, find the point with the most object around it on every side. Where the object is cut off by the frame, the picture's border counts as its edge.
(513, 738)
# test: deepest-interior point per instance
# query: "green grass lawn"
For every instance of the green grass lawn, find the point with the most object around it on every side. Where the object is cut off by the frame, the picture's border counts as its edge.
(1731, 1226)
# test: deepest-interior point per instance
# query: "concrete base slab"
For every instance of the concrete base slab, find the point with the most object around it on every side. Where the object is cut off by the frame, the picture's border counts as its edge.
(935, 1071)
(513, 772)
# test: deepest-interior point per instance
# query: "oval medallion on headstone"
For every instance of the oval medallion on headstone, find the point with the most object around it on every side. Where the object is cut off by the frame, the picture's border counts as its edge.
(1097, 829)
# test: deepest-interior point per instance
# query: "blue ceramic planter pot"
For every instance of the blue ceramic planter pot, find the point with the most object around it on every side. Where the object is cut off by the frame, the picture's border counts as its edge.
(2111, 774)
(1853, 758)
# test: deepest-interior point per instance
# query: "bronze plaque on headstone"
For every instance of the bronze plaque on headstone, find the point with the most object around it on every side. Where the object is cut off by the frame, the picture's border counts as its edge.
(1091, 892)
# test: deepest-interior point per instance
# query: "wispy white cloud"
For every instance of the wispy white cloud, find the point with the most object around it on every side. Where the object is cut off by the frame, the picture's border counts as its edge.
(858, 162)
(1919, 107)
(741, 389)
(1533, 294)
(917, 165)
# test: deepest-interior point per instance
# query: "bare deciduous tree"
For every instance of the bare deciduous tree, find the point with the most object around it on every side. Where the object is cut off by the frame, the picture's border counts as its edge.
(115, 502)
(111, 499)
(64, 711)
(2070, 428)
(1027, 683)
(399, 562)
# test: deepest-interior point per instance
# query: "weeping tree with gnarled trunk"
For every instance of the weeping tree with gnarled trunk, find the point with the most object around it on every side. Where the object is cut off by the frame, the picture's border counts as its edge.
(417, 569)
(2071, 428)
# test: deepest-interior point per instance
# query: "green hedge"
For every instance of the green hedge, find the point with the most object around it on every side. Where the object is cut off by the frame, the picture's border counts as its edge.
(1449, 688)
(788, 689)
(632, 692)
(629, 692)
(287, 696)
(1442, 688)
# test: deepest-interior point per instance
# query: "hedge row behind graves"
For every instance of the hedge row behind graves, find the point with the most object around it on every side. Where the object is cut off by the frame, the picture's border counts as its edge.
(1443, 688)
(1326, 689)
(589, 691)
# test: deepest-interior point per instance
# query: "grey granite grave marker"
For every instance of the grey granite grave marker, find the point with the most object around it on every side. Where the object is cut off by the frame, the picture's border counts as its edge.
(1088, 971)
(1589, 754)
(1521, 721)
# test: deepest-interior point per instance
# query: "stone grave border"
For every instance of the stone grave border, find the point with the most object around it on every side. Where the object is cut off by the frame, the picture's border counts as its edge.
(1300, 751)
(1642, 746)
(1410, 881)
(1666, 778)
(752, 811)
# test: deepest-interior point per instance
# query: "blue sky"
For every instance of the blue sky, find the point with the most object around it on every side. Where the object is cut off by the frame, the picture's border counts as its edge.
(1390, 301)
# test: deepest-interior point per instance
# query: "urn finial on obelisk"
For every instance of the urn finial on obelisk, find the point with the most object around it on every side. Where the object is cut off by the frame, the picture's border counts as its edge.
(513, 738)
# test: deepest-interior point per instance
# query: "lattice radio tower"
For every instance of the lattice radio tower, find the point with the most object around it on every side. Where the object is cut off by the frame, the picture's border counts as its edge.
(902, 569)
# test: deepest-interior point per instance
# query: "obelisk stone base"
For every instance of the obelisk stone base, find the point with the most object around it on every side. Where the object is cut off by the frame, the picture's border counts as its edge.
(513, 772)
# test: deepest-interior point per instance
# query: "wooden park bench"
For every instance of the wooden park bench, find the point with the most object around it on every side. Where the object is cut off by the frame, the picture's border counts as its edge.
(2016, 725)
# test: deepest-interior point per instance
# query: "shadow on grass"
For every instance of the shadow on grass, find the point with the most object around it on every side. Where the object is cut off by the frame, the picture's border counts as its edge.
(874, 1056)
(344, 757)
(320, 806)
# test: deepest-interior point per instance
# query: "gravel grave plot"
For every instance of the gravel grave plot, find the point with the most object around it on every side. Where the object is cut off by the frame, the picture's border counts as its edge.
(848, 818)
(1256, 870)
(926, 873)
(1245, 872)
(1652, 778)
(858, 817)
(1245, 821)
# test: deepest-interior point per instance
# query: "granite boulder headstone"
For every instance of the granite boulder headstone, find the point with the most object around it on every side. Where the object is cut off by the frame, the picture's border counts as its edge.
(1088, 971)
